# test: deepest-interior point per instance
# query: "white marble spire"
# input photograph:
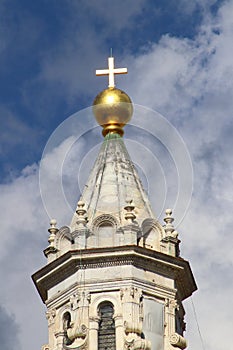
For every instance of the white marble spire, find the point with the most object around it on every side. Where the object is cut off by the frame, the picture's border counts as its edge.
(112, 182)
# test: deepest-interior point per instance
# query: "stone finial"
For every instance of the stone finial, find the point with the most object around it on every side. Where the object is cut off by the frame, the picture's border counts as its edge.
(81, 212)
(52, 230)
(130, 216)
(51, 249)
(53, 224)
(169, 228)
(168, 218)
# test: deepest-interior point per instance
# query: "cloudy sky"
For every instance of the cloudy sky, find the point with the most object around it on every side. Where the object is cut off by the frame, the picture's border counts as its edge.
(179, 58)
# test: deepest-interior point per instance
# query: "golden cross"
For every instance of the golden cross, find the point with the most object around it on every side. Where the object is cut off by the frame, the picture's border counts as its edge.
(111, 71)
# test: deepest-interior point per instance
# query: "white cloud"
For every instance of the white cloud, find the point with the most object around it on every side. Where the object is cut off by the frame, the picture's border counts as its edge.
(190, 81)
(23, 230)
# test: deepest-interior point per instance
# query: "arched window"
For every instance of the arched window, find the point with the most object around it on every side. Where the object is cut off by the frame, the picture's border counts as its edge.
(106, 333)
(106, 234)
(104, 228)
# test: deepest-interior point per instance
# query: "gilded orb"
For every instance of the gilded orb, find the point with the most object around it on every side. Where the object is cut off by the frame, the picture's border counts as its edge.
(112, 109)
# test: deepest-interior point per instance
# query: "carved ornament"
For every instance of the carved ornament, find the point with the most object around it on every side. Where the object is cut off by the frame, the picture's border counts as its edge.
(178, 341)
(50, 315)
(45, 347)
(136, 343)
(104, 218)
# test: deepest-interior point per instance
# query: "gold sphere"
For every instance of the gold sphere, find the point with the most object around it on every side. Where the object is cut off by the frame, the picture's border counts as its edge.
(112, 109)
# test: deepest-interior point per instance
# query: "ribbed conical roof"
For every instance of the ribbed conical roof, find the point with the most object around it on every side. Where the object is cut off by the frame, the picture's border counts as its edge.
(113, 181)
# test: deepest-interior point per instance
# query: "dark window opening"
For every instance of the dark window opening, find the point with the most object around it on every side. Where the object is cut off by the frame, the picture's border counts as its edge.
(106, 334)
(66, 325)
(180, 325)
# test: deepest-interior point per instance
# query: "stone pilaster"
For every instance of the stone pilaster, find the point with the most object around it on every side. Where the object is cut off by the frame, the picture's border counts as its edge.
(132, 319)
(119, 332)
(78, 331)
(93, 332)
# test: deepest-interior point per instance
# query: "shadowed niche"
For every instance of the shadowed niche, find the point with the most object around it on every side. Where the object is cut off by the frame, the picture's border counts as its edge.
(106, 333)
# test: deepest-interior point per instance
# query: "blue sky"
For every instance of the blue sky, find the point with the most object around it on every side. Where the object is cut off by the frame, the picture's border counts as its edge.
(179, 58)
(45, 45)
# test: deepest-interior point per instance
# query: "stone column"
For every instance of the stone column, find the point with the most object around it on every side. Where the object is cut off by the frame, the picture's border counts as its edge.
(119, 332)
(93, 333)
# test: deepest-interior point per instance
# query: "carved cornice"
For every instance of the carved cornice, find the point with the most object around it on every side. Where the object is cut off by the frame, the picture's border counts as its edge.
(140, 257)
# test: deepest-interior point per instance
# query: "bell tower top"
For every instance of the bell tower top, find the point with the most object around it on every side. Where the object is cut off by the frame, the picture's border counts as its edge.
(114, 277)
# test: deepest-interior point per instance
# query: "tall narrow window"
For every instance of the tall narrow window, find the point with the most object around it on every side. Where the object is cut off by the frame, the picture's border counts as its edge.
(106, 334)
